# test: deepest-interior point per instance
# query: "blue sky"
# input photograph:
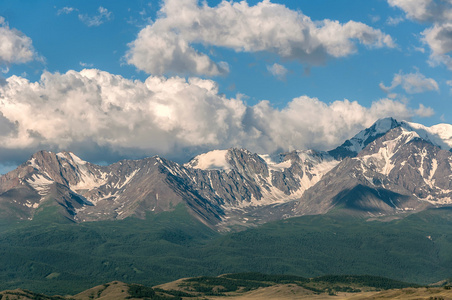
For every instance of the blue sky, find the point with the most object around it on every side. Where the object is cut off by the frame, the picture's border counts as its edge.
(128, 79)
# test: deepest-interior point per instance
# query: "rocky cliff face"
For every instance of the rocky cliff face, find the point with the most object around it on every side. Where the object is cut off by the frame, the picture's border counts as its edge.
(390, 168)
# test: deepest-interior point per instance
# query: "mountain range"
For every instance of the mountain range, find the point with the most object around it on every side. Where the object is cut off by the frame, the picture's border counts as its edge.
(389, 169)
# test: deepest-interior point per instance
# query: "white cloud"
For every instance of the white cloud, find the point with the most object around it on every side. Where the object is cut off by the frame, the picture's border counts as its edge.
(439, 36)
(375, 19)
(449, 83)
(425, 112)
(167, 44)
(86, 65)
(419, 49)
(277, 70)
(103, 16)
(425, 10)
(394, 21)
(412, 83)
(310, 123)
(15, 47)
(176, 117)
(66, 10)
(439, 39)
(168, 53)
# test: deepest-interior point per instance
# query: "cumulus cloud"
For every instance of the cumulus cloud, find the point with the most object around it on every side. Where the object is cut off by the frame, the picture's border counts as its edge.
(412, 83)
(157, 53)
(103, 16)
(277, 70)
(439, 36)
(90, 110)
(15, 47)
(425, 10)
(439, 39)
(166, 45)
(425, 112)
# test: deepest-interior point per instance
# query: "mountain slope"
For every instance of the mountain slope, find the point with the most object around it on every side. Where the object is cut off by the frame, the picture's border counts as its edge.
(398, 172)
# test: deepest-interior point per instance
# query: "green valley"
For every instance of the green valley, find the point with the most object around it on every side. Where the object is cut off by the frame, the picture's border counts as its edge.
(62, 257)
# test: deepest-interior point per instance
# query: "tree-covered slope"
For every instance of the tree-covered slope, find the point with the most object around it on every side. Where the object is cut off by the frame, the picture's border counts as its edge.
(65, 257)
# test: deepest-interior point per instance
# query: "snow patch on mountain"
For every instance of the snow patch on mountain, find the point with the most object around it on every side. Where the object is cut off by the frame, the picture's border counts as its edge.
(40, 183)
(274, 196)
(429, 180)
(382, 159)
(32, 163)
(318, 163)
(271, 159)
(77, 159)
(279, 166)
(213, 160)
(314, 166)
(127, 179)
(87, 180)
(83, 171)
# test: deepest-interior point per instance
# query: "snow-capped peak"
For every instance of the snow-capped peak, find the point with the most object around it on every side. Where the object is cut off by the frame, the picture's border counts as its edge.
(440, 134)
(384, 125)
(380, 127)
(71, 157)
(357, 143)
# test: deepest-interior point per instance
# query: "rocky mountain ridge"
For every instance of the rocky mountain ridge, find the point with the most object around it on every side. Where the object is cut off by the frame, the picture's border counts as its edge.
(389, 168)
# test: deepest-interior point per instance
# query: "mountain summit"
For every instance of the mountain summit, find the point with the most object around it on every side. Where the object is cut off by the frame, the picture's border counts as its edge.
(389, 168)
